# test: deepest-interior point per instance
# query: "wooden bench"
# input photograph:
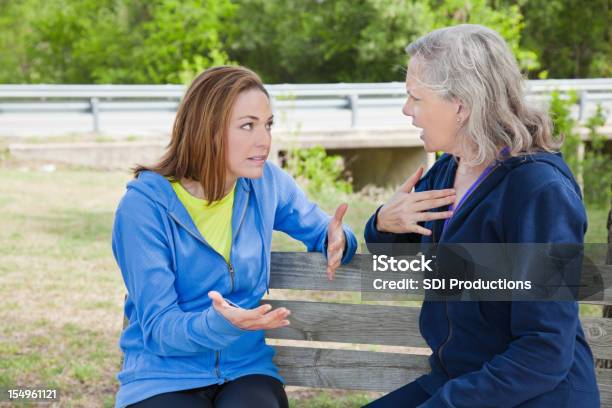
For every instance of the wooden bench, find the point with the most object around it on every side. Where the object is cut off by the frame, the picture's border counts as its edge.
(374, 325)
(367, 324)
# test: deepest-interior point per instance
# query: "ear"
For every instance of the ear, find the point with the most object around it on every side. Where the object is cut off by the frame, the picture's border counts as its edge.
(463, 112)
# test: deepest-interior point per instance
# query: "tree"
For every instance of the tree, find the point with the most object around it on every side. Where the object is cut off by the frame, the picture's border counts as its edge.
(110, 41)
(573, 38)
(352, 41)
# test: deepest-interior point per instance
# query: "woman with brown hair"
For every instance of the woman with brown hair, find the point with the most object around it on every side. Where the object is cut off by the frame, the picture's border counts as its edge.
(192, 238)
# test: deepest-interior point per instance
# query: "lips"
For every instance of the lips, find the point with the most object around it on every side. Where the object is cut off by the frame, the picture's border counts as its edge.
(259, 158)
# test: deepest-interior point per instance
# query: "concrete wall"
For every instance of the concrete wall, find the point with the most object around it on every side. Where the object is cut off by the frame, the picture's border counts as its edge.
(387, 167)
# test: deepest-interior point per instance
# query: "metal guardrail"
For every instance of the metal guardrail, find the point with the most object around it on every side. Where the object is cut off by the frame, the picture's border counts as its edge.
(108, 98)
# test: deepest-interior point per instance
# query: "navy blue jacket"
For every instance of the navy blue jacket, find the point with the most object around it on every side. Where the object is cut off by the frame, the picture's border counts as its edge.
(506, 354)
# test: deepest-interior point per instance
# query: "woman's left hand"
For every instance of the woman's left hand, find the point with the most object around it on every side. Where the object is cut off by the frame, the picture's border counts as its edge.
(336, 241)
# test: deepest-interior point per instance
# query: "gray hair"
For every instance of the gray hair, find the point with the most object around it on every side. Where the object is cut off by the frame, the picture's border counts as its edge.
(475, 65)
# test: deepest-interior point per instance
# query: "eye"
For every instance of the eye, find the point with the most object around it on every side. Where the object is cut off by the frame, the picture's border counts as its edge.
(269, 125)
(247, 126)
(413, 97)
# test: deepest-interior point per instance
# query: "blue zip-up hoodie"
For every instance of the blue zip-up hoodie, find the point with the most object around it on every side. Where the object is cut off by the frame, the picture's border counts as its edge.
(175, 339)
(506, 354)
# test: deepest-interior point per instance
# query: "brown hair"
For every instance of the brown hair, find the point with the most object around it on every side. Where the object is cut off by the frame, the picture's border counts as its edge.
(197, 148)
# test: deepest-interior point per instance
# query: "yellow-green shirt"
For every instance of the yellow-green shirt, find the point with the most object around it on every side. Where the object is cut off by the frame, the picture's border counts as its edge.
(213, 221)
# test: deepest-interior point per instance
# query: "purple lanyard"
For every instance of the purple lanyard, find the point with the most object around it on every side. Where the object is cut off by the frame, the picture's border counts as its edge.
(469, 191)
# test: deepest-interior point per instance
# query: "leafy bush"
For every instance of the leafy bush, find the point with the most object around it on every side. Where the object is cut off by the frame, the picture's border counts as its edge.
(597, 165)
(595, 169)
(319, 172)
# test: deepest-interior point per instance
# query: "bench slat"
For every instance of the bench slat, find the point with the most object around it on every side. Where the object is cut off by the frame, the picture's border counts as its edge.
(389, 325)
(598, 332)
(348, 369)
(306, 271)
(367, 370)
(350, 323)
(604, 382)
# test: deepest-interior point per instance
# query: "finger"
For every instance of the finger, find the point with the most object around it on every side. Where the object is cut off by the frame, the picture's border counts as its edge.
(430, 216)
(282, 323)
(335, 246)
(340, 211)
(433, 194)
(253, 322)
(262, 310)
(275, 325)
(253, 314)
(435, 203)
(412, 180)
(334, 258)
(331, 270)
(217, 299)
(420, 230)
(272, 318)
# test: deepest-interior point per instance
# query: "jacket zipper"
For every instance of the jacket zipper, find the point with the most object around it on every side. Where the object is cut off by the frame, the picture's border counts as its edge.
(230, 267)
(217, 370)
(463, 205)
(450, 333)
(450, 326)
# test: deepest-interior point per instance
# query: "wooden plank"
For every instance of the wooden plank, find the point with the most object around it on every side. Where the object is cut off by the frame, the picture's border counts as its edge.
(598, 332)
(372, 371)
(390, 325)
(348, 369)
(604, 382)
(306, 271)
(350, 323)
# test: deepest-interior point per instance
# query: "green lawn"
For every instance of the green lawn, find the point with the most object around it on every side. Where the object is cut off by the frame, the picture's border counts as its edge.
(61, 293)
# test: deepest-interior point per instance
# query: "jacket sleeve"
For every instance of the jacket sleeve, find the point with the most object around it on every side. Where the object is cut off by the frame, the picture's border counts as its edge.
(305, 221)
(544, 332)
(141, 249)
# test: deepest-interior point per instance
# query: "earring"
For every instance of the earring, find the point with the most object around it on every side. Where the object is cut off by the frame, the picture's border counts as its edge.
(458, 119)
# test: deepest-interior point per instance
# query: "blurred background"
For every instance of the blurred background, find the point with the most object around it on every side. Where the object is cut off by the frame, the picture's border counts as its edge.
(89, 88)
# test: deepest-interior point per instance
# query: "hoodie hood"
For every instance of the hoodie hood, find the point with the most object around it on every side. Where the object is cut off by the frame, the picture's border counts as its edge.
(552, 159)
(157, 188)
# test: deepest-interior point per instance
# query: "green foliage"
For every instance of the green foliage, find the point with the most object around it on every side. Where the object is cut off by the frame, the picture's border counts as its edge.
(565, 127)
(353, 41)
(181, 38)
(110, 41)
(595, 168)
(505, 19)
(170, 41)
(572, 38)
(319, 172)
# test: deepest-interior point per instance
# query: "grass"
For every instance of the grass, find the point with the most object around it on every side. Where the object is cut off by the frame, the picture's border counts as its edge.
(61, 293)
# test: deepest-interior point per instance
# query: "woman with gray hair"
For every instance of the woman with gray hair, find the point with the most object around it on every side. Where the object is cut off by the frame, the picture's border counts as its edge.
(500, 180)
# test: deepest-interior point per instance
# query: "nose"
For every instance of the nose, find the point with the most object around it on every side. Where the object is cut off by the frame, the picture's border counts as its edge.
(407, 109)
(264, 137)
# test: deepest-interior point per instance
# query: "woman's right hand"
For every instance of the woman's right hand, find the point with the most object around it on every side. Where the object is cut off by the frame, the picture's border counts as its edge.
(260, 318)
(406, 208)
